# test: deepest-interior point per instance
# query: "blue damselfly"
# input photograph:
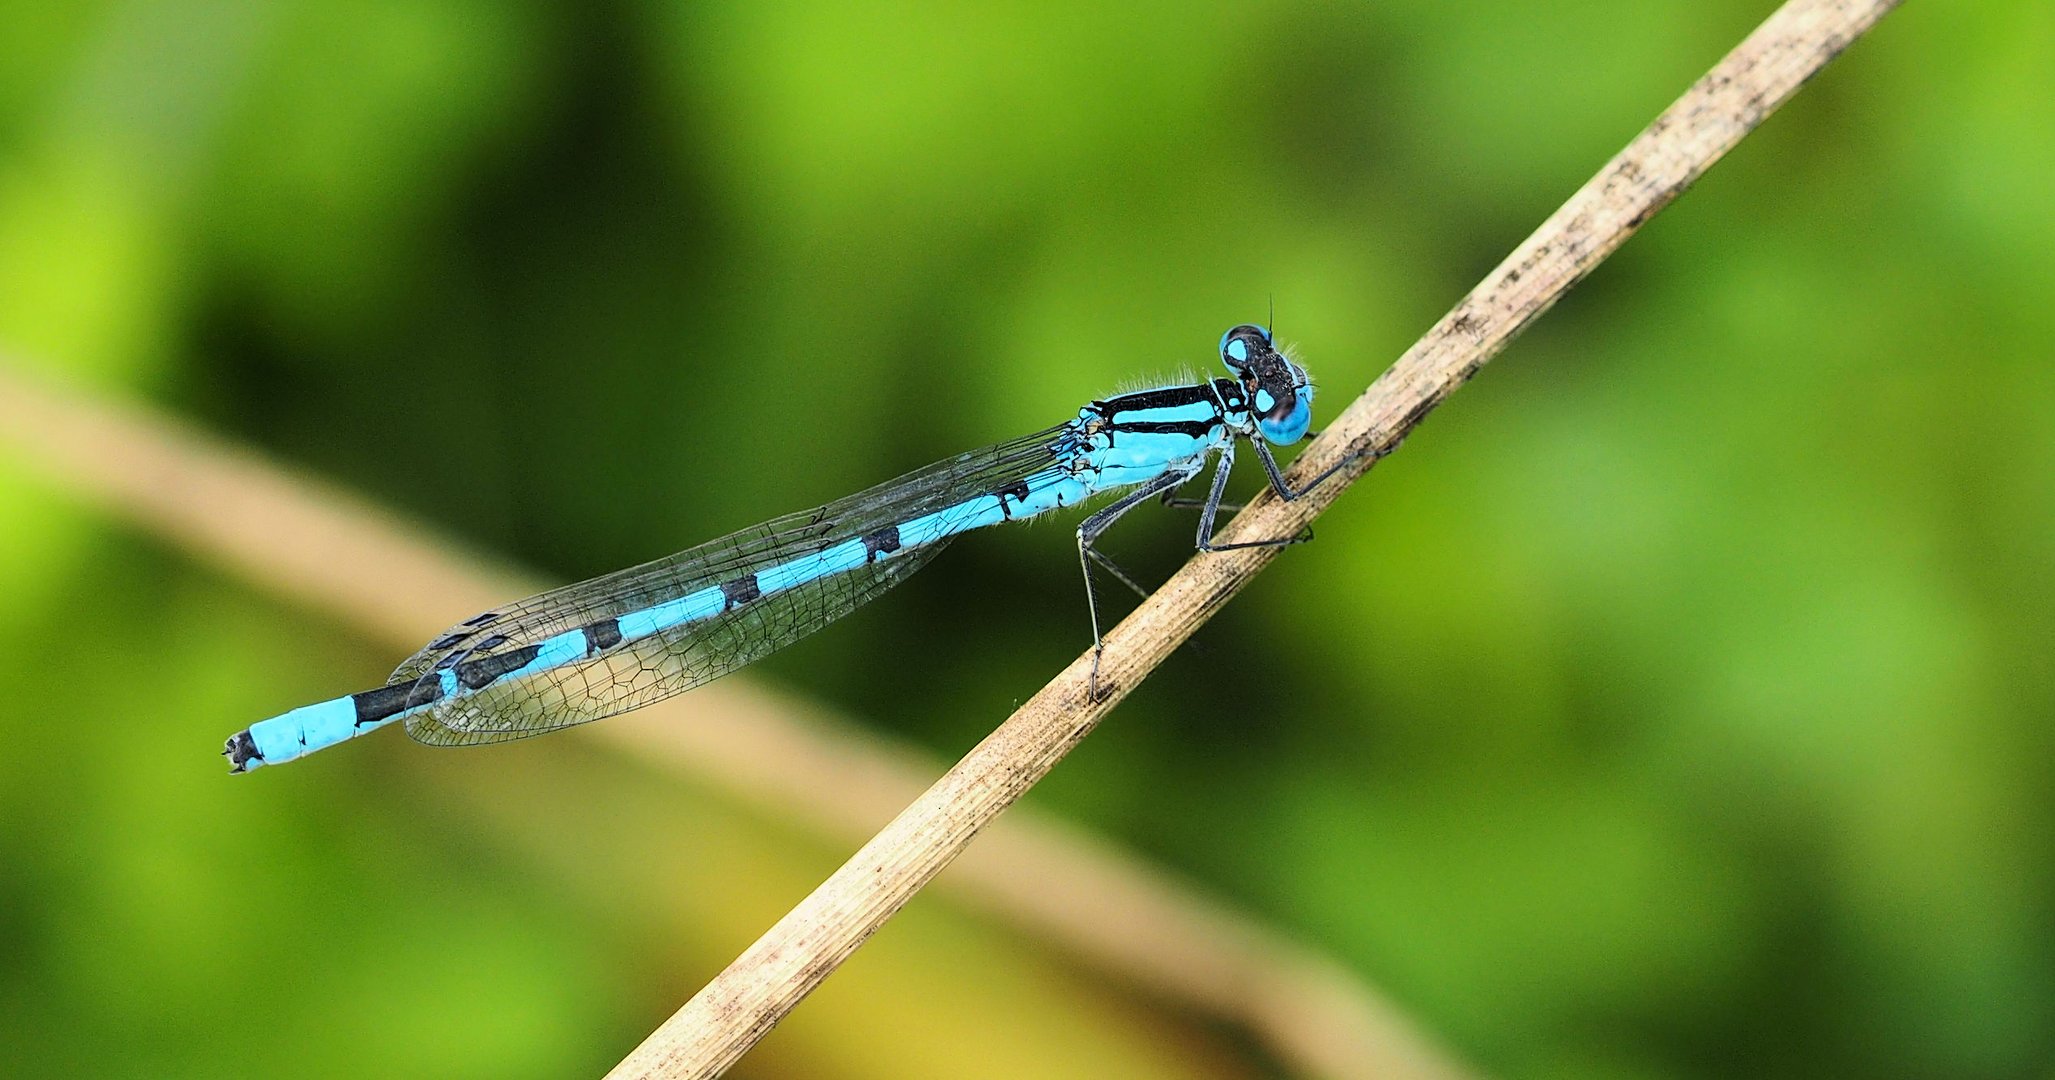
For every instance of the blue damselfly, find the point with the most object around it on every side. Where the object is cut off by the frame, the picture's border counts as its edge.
(633, 637)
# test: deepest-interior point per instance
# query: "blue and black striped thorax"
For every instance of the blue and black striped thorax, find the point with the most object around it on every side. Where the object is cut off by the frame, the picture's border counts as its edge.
(1129, 434)
(1130, 438)
(1196, 411)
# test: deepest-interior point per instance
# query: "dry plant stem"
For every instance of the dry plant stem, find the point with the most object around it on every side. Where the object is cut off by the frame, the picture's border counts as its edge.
(740, 1005)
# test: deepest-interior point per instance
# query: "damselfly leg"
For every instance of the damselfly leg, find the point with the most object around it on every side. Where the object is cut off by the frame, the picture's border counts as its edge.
(1088, 534)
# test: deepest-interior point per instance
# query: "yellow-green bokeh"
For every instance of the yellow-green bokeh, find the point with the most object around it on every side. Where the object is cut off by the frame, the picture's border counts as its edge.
(1678, 703)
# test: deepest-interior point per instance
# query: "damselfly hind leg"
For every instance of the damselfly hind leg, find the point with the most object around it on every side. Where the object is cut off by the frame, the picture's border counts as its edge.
(1088, 533)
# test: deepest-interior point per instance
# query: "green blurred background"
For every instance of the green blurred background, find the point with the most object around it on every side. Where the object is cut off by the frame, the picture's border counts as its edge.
(1676, 704)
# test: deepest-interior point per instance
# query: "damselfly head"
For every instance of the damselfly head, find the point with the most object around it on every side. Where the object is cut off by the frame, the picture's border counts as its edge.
(1279, 392)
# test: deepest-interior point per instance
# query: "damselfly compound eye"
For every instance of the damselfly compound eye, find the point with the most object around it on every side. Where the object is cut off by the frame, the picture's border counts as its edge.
(1242, 345)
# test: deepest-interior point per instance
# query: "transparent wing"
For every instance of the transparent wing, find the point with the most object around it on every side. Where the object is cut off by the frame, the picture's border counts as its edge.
(650, 669)
(644, 670)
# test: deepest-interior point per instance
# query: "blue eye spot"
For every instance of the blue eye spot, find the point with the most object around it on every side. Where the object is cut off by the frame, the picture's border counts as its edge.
(1238, 351)
(1264, 402)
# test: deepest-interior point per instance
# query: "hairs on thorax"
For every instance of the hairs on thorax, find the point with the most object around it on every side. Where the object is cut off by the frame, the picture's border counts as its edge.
(1183, 375)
